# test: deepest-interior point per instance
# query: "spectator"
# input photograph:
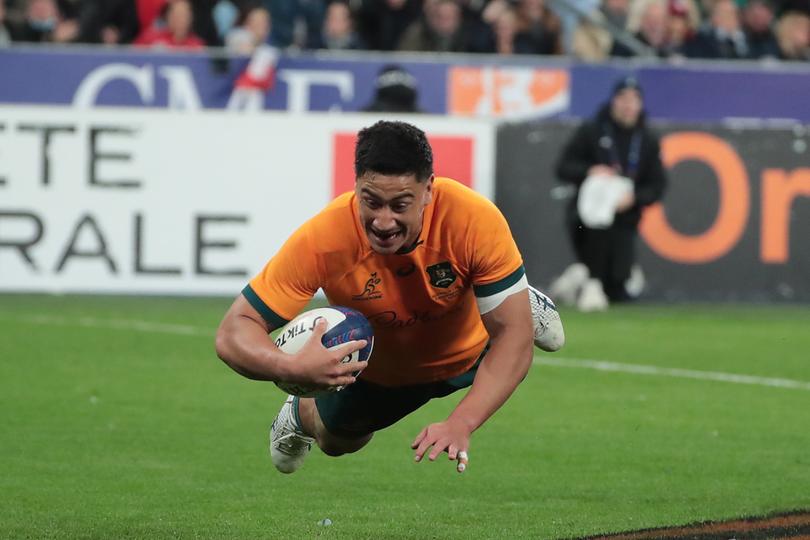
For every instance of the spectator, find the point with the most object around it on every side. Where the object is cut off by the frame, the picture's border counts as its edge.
(44, 23)
(653, 30)
(177, 32)
(111, 22)
(568, 14)
(757, 19)
(149, 12)
(505, 31)
(226, 16)
(5, 35)
(615, 148)
(723, 37)
(338, 29)
(439, 30)
(395, 92)
(381, 23)
(793, 36)
(296, 23)
(591, 41)
(681, 25)
(538, 28)
(254, 29)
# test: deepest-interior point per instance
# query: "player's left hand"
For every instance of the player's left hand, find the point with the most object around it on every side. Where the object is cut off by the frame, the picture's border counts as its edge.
(449, 436)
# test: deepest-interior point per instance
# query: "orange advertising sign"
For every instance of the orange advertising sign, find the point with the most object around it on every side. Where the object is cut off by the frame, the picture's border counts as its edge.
(508, 91)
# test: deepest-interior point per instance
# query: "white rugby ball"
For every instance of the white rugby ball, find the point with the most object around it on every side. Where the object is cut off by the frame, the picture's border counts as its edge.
(342, 325)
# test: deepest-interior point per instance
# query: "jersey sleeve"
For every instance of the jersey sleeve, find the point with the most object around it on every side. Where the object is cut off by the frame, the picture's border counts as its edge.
(496, 264)
(287, 282)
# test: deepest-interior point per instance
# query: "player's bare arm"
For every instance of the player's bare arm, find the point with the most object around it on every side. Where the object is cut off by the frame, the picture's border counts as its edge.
(510, 355)
(242, 342)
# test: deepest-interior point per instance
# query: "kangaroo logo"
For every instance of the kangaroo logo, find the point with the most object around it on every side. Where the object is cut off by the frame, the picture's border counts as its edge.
(370, 292)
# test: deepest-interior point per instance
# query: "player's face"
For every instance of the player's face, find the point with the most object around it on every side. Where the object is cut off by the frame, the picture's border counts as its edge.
(391, 209)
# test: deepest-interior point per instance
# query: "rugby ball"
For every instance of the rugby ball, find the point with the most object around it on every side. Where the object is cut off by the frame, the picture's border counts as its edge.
(342, 325)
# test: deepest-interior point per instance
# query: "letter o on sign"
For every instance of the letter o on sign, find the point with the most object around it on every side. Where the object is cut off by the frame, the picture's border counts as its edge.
(732, 214)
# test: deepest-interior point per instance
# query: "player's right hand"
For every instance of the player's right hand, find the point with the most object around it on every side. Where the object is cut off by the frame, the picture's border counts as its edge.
(315, 365)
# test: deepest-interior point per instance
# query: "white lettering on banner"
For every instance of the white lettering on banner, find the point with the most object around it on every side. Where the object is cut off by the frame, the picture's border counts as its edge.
(300, 81)
(160, 202)
(142, 78)
(182, 89)
(183, 92)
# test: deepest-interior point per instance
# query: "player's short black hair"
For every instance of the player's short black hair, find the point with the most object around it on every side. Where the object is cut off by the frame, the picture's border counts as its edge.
(393, 148)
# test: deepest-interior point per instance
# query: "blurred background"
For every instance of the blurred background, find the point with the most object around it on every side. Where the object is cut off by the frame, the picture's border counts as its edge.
(134, 158)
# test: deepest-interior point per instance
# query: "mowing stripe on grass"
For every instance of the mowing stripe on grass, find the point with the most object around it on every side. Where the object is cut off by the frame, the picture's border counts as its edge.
(115, 324)
(556, 361)
(639, 369)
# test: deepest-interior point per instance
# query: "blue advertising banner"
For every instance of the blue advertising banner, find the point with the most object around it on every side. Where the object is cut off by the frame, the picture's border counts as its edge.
(464, 85)
(88, 77)
(701, 92)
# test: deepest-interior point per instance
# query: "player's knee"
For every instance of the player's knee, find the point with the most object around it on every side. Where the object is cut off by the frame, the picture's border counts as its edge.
(334, 447)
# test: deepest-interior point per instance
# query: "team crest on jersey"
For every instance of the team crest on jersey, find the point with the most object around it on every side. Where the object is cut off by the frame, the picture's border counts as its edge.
(370, 292)
(441, 274)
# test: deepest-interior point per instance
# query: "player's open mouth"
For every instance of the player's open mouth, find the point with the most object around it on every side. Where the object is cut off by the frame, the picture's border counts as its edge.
(385, 237)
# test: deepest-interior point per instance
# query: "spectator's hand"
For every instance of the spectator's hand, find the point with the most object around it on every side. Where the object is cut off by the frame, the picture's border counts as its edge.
(626, 202)
(66, 31)
(602, 170)
(315, 365)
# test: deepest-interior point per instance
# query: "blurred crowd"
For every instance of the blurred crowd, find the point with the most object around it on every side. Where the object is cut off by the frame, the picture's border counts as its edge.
(716, 29)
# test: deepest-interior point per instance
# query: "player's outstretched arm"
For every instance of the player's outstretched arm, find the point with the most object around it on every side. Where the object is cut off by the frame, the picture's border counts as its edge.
(510, 355)
(242, 342)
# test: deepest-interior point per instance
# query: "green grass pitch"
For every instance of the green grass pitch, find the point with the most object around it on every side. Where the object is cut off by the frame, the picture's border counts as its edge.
(118, 421)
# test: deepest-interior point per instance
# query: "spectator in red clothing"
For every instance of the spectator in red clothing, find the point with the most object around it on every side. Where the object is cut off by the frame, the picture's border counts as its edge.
(176, 34)
(149, 11)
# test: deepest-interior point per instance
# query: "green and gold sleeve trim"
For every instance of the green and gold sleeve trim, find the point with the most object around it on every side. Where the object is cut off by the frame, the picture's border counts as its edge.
(271, 317)
(490, 289)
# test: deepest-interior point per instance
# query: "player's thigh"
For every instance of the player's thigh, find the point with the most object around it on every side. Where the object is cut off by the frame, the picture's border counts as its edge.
(362, 408)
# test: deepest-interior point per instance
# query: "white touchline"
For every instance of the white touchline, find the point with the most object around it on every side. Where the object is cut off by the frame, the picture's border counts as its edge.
(638, 369)
(556, 361)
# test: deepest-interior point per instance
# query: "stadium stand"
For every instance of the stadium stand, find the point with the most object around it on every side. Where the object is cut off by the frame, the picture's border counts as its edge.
(587, 29)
